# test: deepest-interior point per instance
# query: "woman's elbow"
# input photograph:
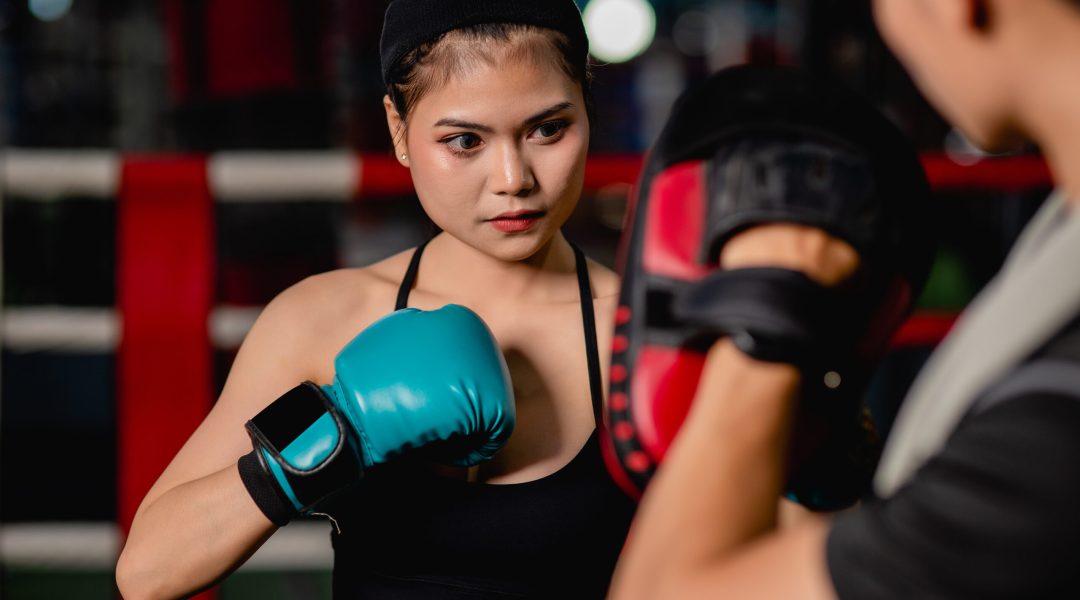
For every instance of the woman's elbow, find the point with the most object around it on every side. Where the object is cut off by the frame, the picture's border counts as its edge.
(137, 578)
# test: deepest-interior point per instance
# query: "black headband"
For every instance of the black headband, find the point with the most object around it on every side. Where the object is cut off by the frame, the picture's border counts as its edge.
(409, 23)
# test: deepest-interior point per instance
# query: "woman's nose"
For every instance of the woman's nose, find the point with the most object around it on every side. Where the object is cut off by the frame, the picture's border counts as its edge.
(512, 174)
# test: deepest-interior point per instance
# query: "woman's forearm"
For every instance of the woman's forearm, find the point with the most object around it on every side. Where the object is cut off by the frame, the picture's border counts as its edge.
(191, 536)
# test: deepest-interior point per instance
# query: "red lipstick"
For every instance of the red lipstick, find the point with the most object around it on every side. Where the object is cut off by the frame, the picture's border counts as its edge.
(516, 221)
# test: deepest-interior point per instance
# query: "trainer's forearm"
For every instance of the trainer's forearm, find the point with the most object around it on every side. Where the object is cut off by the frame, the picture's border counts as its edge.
(190, 536)
(719, 484)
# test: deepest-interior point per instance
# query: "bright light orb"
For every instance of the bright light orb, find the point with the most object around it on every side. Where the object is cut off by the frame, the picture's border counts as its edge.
(49, 10)
(619, 29)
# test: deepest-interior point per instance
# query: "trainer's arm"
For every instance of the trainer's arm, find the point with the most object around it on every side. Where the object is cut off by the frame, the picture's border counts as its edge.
(198, 522)
(707, 524)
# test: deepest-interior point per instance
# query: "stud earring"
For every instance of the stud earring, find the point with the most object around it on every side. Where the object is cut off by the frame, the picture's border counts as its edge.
(404, 156)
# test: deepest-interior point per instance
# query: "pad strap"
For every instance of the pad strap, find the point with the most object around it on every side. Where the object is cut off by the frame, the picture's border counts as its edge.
(301, 444)
(771, 314)
(780, 315)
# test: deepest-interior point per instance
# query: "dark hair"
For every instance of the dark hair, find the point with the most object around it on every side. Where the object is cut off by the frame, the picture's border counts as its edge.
(433, 63)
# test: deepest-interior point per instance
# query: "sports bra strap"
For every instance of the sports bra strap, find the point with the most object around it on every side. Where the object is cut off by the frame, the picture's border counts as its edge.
(409, 279)
(588, 318)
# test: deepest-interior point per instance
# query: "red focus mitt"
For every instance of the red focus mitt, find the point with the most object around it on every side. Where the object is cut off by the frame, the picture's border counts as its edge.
(757, 145)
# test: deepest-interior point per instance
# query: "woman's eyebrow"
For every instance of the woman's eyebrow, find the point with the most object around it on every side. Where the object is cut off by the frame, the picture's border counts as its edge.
(548, 112)
(448, 122)
(540, 116)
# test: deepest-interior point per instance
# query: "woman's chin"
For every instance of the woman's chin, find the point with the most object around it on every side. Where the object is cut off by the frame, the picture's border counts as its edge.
(516, 247)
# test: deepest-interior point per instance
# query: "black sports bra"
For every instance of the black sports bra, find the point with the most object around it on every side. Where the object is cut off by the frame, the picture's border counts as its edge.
(406, 533)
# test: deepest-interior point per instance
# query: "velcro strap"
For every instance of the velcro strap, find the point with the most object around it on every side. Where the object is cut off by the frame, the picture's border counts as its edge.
(779, 315)
(301, 440)
(771, 314)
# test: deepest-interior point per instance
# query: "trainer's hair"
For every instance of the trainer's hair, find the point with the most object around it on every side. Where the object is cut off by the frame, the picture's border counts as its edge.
(433, 64)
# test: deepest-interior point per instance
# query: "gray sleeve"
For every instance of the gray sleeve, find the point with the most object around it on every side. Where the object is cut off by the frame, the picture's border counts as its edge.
(994, 515)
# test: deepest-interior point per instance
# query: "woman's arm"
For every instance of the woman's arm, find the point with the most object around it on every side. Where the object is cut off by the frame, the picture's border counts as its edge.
(198, 522)
(189, 536)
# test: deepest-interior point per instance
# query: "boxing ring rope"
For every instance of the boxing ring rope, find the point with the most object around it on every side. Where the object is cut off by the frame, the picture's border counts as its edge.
(165, 227)
(344, 177)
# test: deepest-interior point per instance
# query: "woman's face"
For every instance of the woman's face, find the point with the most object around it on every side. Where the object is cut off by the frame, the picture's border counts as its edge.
(498, 155)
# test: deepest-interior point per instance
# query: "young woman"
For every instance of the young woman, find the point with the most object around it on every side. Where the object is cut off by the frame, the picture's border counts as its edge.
(487, 106)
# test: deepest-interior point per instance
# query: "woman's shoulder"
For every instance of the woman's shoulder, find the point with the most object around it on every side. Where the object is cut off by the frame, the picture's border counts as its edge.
(295, 339)
(352, 296)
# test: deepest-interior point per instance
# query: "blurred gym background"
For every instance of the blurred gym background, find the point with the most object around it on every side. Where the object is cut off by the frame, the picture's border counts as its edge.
(168, 166)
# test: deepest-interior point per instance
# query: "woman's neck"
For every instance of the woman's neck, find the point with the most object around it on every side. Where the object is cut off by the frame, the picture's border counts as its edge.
(453, 268)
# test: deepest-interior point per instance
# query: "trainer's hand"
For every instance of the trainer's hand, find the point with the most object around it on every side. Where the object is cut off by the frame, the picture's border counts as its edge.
(828, 261)
(818, 255)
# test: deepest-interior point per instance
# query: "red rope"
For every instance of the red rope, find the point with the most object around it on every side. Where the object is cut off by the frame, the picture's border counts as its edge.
(1010, 174)
(381, 175)
(923, 329)
(164, 294)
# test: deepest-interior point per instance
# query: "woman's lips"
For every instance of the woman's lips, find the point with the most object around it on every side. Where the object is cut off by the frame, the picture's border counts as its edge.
(516, 222)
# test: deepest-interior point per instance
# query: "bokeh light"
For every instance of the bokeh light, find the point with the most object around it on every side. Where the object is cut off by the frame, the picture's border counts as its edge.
(696, 33)
(619, 29)
(49, 10)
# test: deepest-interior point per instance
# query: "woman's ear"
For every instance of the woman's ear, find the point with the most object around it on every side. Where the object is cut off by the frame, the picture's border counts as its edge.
(396, 126)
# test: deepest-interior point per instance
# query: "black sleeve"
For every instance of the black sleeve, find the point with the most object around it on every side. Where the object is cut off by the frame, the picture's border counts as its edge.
(995, 515)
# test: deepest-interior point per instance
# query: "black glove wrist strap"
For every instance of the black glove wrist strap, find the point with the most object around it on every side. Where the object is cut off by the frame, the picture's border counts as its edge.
(287, 433)
(264, 490)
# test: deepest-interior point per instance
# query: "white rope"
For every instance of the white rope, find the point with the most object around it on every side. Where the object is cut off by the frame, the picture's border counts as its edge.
(54, 328)
(69, 545)
(95, 546)
(48, 174)
(51, 174)
(264, 176)
(229, 325)
(97, 330)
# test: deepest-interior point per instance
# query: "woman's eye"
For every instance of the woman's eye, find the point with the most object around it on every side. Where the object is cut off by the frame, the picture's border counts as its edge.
(551, 129)
(463, 142)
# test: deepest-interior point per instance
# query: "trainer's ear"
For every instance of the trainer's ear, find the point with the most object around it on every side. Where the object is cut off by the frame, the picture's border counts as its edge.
(396, 125)
(961, 16)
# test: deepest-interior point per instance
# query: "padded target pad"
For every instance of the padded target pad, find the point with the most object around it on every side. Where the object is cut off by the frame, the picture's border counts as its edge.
(777, 155)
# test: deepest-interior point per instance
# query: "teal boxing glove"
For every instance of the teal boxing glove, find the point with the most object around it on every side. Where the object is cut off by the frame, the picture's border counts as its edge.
(432, 380)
